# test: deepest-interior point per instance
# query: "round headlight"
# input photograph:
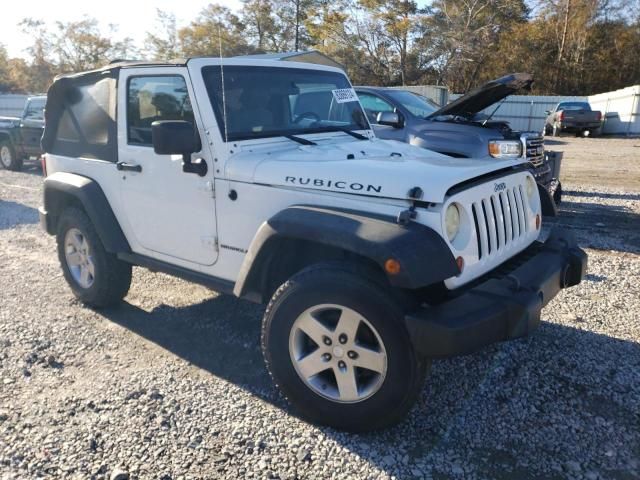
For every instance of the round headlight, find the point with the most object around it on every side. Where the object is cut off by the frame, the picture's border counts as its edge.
(531, 187)
(452, 221)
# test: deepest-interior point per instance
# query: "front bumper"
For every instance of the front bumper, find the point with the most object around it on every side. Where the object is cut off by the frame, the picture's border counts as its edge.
(503, 307)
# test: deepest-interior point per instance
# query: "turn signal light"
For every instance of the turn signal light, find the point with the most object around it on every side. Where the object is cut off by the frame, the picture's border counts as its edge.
(43, 164)
(460, 263)
(392, 266)
(538, 222)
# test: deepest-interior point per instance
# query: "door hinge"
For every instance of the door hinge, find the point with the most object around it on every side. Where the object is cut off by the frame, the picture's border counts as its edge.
(211, 189)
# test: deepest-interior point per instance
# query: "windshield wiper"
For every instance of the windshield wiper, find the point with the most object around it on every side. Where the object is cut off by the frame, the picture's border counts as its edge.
(300, 140)
(348, 131)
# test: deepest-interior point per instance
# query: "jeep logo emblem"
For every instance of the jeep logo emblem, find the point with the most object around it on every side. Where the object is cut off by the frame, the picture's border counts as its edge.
(498, 187)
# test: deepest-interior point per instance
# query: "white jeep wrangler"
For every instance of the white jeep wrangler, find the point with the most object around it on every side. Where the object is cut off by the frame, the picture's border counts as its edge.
(263, 179)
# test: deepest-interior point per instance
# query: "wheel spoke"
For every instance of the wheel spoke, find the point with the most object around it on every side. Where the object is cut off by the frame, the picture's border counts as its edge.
(84, 276)
(348, 324)
(85, 245)
(313, 328)
(91, 267)
(74, 259)
(76, 240)
(347, 385)
(370, 359)
(312, 364)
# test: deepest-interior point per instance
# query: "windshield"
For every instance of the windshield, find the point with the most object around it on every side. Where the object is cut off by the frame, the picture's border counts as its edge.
(271, 101)
(574, 106)
(417, 104)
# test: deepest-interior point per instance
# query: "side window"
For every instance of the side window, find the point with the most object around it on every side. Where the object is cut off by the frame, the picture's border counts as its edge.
(373, 105)
(34, 110)
(155, 98)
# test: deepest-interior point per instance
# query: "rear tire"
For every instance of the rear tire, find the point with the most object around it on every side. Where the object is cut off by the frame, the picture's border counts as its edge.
(8, 157)
(369, 379)
(96, 277)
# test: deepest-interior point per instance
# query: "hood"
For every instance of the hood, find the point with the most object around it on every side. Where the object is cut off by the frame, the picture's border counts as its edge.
(376, 168)
(477, 100)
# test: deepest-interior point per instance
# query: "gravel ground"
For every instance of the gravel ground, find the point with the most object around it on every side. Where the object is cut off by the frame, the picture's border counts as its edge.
(611, 161)
(171, 384)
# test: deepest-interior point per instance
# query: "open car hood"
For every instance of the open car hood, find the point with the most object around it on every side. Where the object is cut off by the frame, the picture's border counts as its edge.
(488, 94)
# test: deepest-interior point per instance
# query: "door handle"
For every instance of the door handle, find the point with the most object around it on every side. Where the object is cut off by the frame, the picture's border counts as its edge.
(130, 167)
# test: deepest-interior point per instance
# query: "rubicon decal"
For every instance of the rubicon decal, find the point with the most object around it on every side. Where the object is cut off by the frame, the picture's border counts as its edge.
(337, 184)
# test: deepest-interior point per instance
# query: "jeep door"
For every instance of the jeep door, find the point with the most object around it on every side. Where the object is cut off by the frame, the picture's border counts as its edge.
(32, 126)
(170, 213)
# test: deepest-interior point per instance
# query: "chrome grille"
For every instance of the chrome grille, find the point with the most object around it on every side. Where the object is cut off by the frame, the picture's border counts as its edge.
(535, 150)
(500, 220)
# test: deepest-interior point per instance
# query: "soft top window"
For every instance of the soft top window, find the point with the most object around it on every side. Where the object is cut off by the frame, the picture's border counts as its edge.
(266, 101)
(80, 117)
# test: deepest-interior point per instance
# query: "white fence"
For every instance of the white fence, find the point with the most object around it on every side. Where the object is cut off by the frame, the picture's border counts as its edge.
(621, 110)
(12, 105)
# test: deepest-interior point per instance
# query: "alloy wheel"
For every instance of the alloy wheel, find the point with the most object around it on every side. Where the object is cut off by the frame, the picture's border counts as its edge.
(338, 353)
(5, 156)
(79, 258)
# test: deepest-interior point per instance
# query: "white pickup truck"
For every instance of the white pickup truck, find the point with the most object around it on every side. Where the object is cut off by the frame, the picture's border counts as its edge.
(263, 179)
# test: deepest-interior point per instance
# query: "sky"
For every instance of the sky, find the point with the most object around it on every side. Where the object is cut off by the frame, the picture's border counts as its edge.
(133, 17)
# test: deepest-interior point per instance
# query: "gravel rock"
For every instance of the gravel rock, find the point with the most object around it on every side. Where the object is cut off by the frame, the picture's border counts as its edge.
(119, 475)
(172, 384)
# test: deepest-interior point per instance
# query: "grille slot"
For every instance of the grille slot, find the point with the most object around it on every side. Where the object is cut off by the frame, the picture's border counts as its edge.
(499, 220)
(535, 150)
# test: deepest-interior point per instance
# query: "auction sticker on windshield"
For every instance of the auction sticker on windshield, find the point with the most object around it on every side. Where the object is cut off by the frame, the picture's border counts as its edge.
(344, 95)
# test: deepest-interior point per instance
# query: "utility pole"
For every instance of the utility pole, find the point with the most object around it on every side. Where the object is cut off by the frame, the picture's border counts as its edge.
(297, 24)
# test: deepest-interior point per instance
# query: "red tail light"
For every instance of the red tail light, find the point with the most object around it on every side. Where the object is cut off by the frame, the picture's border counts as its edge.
(561, 116)
(43, 164)
(598, 116)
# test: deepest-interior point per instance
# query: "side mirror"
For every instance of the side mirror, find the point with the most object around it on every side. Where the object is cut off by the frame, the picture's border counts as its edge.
(174, 137)
(391, 119)
(177, 137)
(547, 112)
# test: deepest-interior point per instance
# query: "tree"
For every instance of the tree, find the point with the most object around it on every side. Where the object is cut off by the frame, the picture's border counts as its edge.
(5, 82)
(215, 29)
(396, 20)
(357, 38)
(261, 25)
(457, 36)
(163, 44)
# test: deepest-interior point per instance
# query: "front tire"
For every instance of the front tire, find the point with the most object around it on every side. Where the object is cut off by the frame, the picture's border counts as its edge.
(96, 277)
(8, 158)
(335, 344)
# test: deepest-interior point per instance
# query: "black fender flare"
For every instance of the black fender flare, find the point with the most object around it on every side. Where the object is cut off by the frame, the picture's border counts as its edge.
(547, 204)
(60, 187)
(423, 255)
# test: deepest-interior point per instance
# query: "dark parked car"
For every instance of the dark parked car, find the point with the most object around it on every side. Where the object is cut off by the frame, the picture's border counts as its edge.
(459, 129)
(573, 117)
(20, 136)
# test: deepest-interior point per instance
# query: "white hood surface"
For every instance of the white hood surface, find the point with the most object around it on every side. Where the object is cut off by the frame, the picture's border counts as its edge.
(380, 168)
